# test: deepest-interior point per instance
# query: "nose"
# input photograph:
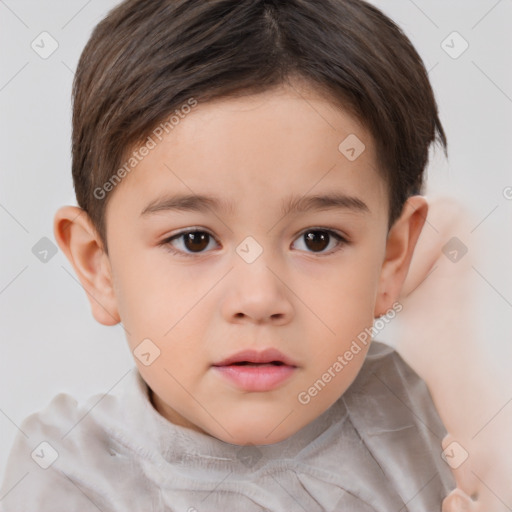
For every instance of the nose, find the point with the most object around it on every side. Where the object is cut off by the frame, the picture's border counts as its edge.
(257, 293)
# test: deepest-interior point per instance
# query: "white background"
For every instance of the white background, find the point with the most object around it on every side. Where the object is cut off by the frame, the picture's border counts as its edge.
(51, 343)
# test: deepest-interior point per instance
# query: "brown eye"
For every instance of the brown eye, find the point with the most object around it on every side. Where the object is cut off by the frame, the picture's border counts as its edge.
(189, 243)
(318, 240)
(196, 241)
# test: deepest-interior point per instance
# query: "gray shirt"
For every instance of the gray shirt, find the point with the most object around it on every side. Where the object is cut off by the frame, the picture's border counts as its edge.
(378, 448)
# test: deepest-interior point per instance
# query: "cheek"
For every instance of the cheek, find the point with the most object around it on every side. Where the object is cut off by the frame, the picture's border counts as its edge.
(144, 297)
(145, 284)
(162, 306)
(345, 296)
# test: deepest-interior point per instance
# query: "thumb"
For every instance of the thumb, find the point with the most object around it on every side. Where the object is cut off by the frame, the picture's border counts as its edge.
(459, 501)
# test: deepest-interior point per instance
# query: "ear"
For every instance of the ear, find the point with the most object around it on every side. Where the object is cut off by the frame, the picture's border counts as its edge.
(400, 246)
(81, 244)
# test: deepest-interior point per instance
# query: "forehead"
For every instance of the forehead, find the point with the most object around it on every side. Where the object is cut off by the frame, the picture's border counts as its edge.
(283, 142)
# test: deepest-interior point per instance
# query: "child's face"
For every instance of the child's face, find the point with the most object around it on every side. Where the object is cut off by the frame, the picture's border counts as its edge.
(306, 295)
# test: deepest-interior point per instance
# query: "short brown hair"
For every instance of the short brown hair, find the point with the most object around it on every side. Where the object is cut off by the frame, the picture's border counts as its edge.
(149, 57)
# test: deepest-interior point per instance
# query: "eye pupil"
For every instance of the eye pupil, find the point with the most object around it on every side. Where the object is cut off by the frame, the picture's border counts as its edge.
(317, 240)
(197, 241)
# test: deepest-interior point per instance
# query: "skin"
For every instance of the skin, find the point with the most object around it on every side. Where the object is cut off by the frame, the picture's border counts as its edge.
(469, 396)
(308, 301)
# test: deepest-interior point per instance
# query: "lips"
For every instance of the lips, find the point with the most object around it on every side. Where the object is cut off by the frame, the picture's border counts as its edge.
(268, 356)
(250, 370)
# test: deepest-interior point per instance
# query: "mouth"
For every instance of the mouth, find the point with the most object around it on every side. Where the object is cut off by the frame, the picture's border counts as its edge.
(248, 363)
(269, 356)
(255, 371)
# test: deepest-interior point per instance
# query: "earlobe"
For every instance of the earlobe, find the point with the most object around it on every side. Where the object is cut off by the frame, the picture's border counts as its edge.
(400, 246)
(81, 244)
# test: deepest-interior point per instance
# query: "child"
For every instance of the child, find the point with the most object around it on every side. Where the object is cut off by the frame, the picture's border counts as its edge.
(288, 141)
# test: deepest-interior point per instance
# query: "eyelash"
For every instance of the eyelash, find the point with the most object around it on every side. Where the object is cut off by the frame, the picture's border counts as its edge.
(342, 241)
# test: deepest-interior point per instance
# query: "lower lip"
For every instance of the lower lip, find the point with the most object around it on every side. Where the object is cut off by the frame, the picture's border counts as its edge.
(256, 378)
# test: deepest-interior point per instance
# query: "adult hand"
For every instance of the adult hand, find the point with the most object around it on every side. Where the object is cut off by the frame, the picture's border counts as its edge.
(441, 334)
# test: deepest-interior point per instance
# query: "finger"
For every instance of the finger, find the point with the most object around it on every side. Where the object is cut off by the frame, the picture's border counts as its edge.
(459, 501)
(458, 457)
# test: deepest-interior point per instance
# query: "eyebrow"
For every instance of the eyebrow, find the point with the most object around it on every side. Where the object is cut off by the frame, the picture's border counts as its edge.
(204, 203)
